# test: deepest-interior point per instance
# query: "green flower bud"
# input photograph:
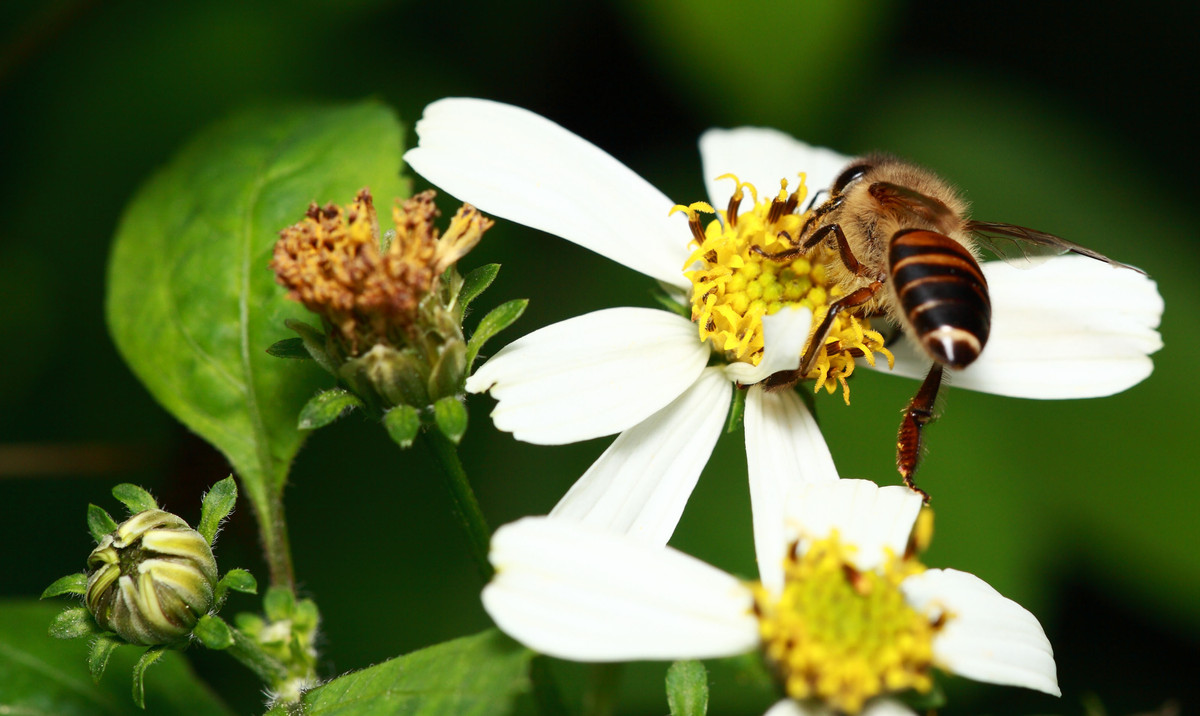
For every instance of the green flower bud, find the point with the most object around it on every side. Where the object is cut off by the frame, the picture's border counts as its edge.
(151, 579)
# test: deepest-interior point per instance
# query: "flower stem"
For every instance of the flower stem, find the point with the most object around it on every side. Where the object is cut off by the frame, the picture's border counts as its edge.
(265, 666)
(600, 695)
(465, 505)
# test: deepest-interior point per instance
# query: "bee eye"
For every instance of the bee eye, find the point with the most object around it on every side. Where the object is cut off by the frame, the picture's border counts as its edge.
(851, 173)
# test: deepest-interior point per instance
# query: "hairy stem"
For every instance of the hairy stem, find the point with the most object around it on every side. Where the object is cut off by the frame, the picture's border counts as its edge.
(463, 497)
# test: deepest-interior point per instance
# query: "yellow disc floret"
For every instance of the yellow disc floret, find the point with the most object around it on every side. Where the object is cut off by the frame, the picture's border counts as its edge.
(842, 636)
(746, 266)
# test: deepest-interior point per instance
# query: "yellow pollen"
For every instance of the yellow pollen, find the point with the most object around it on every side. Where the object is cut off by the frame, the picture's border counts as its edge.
(843, 636)
(740, 272)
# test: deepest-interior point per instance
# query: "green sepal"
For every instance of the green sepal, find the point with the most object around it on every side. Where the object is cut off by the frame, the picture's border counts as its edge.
(71, 584)
(102, 647)
(100, 523)
(135, 498)
(218, 502)
(450, 415)
(476, 283)
(737, 410)
(402, 422)
(139, 673)
(279, 603)
(292, 348)
(249, 623)
(687, 688)
(496, 320)
(663, 299)
(306, 616)
(72, 623)
(314, 343)
(326, 407)
(213, 632)
(239, 580)
(922, 703)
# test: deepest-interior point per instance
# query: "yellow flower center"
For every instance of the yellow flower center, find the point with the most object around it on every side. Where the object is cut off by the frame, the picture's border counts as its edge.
(738, 276)
(843, 636)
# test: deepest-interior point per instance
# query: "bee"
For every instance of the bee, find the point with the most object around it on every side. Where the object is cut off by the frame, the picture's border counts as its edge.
(907, 249)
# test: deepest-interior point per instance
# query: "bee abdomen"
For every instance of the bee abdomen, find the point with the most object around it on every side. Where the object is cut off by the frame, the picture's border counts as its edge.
(943, 294)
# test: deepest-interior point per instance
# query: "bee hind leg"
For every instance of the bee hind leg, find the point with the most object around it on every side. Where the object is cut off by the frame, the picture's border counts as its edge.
(917, 415)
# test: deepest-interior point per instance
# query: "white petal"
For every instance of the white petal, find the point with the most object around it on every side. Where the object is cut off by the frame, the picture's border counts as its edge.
(874, 519)
(762, 156)
(987, 637)
(784, 335)
(1071, 327)
(575, 593)
(513, 163)
(640, 485)
(592, 375)
(784, 449)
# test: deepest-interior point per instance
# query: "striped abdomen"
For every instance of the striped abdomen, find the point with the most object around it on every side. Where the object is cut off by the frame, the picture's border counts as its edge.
(943, 294)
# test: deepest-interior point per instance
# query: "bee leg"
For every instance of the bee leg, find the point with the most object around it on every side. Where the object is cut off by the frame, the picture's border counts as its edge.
(786, 378)
(916, 416)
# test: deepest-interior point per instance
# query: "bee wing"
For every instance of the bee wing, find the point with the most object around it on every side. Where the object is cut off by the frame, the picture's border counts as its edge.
(894, 196)
(1024, 248)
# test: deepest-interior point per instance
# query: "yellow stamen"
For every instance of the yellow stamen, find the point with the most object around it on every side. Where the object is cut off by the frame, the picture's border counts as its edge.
(843, 636)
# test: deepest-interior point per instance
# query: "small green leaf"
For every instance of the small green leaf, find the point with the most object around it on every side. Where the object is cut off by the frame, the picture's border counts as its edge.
(102, 647)
(496, 320)
(279, 603)
(402, 422)
(135, 498)
(664, 299)
(326, 407)
(687, 688)
(100, 523)
(292, 348)
(72, 623)
(737, 410)
(217, 504)
(139, 673)
(213, 632)
(70, 584)
(451, 417)
(476, 283)
(239, 580)
(480, 675)
(314, 343)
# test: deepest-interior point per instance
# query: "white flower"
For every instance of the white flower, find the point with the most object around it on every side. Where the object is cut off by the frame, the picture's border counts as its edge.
(1072, 327)
(578, 593)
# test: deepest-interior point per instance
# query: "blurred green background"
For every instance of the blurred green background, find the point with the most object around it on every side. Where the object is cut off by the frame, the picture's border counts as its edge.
(1069, 118)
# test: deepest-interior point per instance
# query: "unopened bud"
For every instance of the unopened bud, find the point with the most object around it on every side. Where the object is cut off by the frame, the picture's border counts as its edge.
(151, 579)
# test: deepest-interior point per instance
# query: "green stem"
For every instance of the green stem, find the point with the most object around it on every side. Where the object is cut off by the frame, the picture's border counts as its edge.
(268, 668)
(603, 682)
(272, 526)
(465, 505)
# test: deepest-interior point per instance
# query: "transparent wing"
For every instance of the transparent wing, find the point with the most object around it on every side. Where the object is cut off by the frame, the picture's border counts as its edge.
(1024, 248)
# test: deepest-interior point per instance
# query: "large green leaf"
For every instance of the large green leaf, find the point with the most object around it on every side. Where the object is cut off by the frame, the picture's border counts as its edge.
(192, 304)
(481, 674)
(41, 675)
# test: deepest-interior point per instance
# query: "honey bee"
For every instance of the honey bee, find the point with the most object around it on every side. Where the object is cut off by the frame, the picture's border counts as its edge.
(908, 250)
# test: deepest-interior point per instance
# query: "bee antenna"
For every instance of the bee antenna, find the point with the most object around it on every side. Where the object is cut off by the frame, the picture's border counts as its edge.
(812, 202)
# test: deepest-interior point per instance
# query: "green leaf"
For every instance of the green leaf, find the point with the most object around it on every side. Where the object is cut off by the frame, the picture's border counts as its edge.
(100, 523)
(192, 305)
(326, 407)
(150, 656)
(402, 422)
(279, 603)
(687, 688)
(478, 675)
(135, 499)
(736, 410)
(213, 632)
(314, 342)
(496, 320)
(72, 623)
(101, 649)
(292, 348)
(70, 584)
(476, 283)
(239, 580)
(217, 504)
(451, 417)
(40, 676)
